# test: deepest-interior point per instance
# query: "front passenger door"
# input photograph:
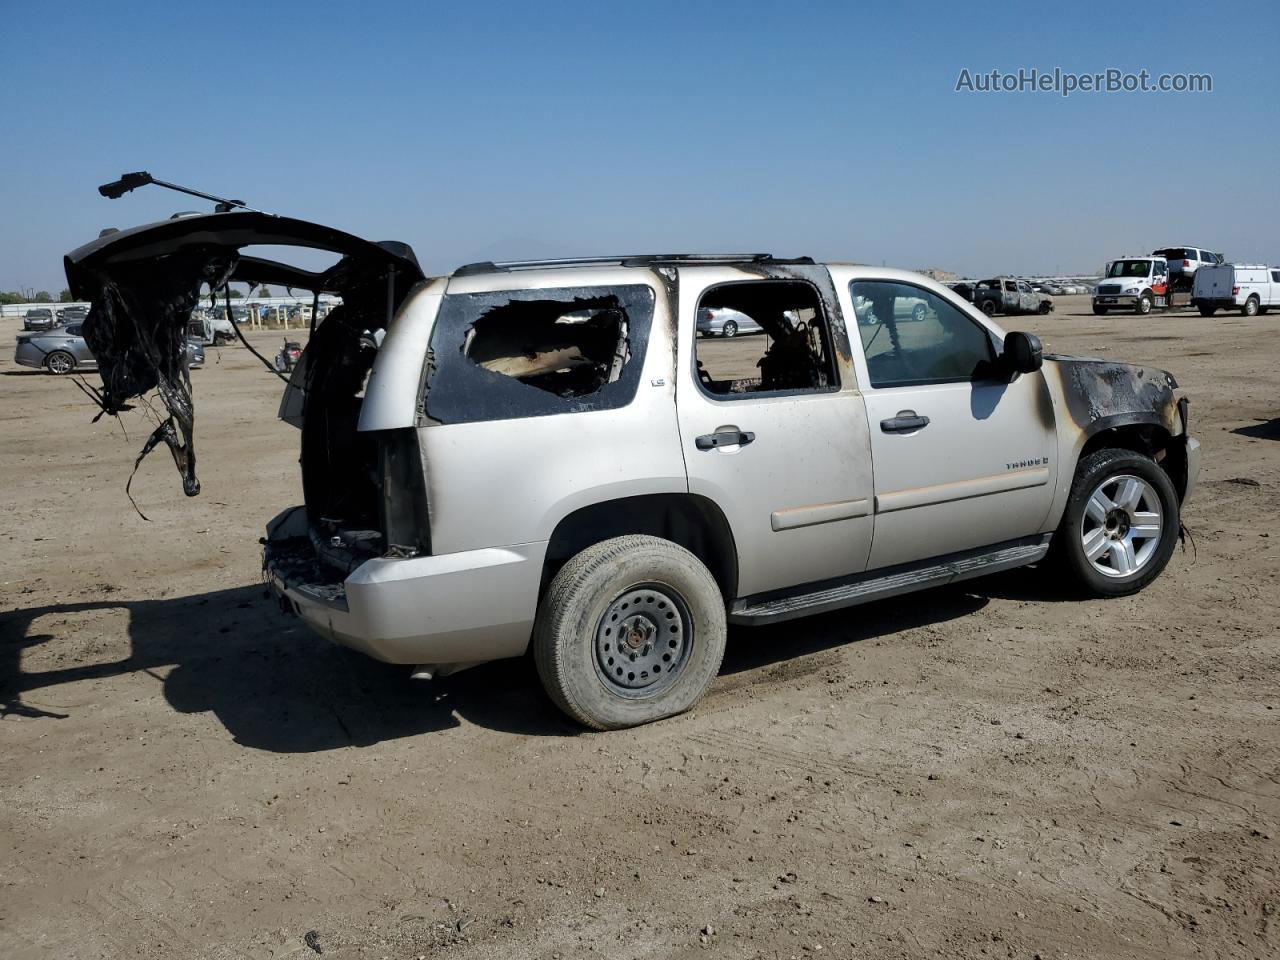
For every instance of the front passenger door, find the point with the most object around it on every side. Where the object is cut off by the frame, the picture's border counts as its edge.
(961, 460)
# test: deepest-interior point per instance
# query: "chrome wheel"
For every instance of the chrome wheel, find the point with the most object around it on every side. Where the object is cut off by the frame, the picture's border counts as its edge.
(643, 641)
(730, 329)
(60, 362)
(1122, 525)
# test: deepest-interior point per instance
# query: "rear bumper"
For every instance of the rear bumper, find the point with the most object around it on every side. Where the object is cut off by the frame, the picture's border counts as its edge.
(454, 608)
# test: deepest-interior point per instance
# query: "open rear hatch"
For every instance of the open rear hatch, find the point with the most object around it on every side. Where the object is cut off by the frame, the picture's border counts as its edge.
(145, 281)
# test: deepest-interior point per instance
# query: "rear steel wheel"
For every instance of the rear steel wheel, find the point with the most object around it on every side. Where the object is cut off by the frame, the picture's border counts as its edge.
(643, 641)
(630, 630)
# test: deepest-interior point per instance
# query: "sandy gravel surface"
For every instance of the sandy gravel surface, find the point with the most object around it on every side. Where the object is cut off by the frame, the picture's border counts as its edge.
(993, 770)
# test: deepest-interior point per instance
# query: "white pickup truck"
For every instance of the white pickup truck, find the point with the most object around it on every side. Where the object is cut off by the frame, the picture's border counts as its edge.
(1250, 288)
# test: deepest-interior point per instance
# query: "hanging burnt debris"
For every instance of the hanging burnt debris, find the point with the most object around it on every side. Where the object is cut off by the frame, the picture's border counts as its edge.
(144, 283)
(137, 330)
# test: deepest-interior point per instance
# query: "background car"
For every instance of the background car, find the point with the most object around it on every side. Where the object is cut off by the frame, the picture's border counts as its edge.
(725, 322)
(904, 308)
(37, 318)
(63, 350)
(1185, 261)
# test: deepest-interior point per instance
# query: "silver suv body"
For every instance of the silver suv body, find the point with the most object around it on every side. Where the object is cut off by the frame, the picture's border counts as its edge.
(549, 454)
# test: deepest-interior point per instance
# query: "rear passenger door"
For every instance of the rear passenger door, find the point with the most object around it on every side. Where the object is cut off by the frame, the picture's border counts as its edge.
(961, 459)
(772, 426)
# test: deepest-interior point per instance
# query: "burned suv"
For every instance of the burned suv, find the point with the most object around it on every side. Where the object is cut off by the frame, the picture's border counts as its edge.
(546, 455)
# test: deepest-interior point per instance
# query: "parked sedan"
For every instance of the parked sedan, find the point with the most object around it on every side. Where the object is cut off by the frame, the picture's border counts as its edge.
(725, 322)
(63, 350)
(38, 318)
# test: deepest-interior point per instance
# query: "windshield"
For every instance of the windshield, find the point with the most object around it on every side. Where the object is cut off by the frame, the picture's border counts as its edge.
(1130, 268)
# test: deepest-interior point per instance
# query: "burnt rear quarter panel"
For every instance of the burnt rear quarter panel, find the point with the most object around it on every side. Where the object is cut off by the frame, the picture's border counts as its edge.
(526, 459)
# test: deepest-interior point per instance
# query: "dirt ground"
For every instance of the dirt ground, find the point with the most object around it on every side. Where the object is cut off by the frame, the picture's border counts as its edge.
(991, 770)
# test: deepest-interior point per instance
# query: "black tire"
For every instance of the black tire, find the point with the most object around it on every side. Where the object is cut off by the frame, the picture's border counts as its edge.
(989, 307)
(1143, 306)
(730, 329)
(1100, 311)
(1206, 310)
(1068, 544)
(919, 312)
(59, 362)
(1250, 308)
(1044, 308)
(571, 624)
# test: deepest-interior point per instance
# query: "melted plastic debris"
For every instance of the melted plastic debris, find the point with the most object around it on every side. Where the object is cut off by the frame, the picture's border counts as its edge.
(137, 330)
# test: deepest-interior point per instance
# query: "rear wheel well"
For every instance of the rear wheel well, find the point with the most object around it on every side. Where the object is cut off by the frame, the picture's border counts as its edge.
(693, 522)
(1150, 440)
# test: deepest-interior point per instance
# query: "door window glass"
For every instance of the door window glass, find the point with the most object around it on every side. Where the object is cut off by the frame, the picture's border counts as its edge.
(912, 336)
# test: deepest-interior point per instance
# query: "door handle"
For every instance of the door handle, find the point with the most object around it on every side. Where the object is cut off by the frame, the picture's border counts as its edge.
(904, 422)
(724, 438)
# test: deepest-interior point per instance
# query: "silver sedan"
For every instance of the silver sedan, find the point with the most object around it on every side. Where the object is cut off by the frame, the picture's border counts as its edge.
(62, 350)
(725, 322)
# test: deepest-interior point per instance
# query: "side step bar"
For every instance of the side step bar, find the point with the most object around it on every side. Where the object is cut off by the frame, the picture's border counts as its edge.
(813, 598)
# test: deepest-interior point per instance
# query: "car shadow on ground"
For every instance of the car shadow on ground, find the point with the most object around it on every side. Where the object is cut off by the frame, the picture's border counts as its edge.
(276, 686)
(272, 683)
(1262, 430)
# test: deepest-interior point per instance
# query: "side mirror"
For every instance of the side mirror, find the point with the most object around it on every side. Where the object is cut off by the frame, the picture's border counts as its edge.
(1022, 353)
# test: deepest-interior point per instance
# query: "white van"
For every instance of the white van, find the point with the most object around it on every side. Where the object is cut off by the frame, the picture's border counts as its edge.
(1249, 288)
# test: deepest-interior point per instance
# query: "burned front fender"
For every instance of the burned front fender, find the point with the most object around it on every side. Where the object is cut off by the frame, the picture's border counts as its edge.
(1105, 402)
(1102, 394)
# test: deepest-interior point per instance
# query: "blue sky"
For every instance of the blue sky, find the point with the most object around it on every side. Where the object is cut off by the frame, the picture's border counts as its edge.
(477, 131)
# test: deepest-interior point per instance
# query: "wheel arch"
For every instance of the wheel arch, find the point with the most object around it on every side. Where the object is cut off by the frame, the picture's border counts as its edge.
(694, 522)
(1145, 434)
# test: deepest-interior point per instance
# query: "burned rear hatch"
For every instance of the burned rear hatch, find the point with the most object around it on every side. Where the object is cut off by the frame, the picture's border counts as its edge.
(144, 282)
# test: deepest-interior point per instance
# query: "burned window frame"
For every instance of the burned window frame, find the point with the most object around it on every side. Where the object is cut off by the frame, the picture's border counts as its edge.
(458, 390)
(828, 343)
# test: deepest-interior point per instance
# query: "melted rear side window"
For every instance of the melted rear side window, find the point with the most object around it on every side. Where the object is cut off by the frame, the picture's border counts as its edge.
(528, 353)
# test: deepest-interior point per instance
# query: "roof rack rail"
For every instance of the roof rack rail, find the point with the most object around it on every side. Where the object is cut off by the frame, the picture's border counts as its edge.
(633, 260)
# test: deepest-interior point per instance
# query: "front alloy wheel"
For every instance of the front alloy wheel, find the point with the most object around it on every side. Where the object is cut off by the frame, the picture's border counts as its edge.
(1121, 523)
(60, 362)
(1122, 526)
